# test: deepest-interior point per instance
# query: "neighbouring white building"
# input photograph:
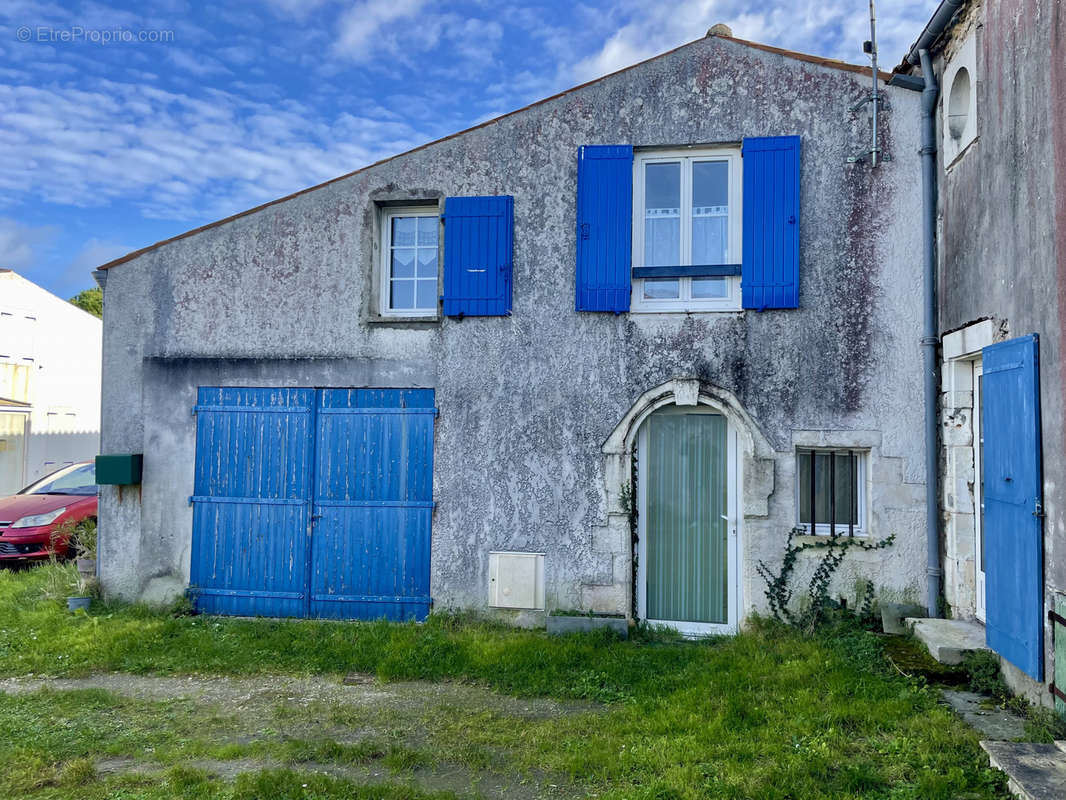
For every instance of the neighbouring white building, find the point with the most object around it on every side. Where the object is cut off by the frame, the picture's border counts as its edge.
(50, 354)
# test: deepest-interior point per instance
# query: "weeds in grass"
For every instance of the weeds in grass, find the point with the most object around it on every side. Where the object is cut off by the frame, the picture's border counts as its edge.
(1044, 725)
(767, 714)
(983, 674)
(77, 772)
(289, 785)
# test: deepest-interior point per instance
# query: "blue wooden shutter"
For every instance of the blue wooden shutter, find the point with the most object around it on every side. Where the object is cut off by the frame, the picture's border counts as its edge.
(604, 227)
(1013, 520)
(770, 269)
(373, 493)
(478, 253)
(252, 489)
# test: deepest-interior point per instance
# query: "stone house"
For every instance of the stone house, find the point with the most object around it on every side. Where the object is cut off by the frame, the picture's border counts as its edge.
(1001, 254)
(600, 353)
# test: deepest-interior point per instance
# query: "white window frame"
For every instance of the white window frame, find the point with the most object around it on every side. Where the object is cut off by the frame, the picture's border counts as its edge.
(385, 269)
(861, 487)
(685, 302)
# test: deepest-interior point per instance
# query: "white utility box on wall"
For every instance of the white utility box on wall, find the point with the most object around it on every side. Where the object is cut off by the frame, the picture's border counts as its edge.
(516, 580)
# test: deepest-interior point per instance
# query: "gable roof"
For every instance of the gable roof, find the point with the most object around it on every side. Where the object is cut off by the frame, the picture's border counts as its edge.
(793, 54)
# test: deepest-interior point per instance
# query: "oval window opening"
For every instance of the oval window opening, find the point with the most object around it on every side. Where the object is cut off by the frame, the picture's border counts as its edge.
(959, 104)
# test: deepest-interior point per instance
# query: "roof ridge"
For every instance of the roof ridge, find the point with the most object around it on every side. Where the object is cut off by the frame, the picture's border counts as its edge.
(806, 57)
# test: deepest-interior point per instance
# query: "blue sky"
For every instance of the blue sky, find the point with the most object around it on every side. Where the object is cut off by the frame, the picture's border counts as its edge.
(124, 123)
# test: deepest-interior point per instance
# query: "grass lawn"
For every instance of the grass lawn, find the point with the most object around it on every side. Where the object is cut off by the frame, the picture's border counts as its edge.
(766, 715)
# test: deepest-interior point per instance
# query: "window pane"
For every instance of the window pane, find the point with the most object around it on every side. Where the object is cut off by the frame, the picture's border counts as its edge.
(844, 480)
(710, 212)
(821, 488)
(427, 263)
(804, 475)
(710, 184)
(427, 230)
(403, 231)
(662, 215)
(662, 288)
(704, 288)
(403, 295)
(427, 294)
(403, 263)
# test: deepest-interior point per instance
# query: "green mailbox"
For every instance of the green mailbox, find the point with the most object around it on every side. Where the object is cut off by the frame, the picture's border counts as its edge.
(119, 470)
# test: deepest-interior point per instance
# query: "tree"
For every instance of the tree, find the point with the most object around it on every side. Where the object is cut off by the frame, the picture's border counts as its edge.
(91, 300)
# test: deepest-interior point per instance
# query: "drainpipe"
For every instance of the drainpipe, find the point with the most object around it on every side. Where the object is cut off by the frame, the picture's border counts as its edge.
(933, 569)
(932, 30)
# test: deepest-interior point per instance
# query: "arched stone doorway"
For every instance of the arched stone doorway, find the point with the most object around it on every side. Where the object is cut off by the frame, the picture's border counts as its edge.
(693, 465)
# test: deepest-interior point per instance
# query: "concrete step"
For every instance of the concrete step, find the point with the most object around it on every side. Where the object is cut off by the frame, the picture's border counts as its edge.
(991, 722)
(948, 640)
(1034, 771)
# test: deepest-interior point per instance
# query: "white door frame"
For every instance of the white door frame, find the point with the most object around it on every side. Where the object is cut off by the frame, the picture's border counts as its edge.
(978, 495)
(734, 525)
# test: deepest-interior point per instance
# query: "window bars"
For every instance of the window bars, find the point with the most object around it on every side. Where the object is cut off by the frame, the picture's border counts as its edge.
(853, 482)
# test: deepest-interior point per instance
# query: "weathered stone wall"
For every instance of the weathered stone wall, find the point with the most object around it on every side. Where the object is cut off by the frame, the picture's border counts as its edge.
(1002, 243)
(528, 401)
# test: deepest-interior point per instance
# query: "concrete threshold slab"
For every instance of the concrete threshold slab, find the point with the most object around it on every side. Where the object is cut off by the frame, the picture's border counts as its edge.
(1035, 771)
(948, 640)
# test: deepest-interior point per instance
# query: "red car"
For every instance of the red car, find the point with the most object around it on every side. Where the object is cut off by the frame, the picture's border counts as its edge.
(29, 518)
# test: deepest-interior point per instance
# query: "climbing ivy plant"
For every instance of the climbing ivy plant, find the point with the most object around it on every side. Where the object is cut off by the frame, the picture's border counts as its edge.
(819, 605)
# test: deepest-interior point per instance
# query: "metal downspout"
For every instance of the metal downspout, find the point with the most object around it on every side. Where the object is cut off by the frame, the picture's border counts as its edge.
(933, 570)
(936, 25)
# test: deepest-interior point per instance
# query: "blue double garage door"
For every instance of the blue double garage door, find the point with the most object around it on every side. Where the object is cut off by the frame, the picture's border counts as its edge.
(313, 502)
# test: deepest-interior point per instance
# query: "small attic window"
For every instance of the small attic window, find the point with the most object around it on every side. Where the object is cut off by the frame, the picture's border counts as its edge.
(959, 104)
(410, 239)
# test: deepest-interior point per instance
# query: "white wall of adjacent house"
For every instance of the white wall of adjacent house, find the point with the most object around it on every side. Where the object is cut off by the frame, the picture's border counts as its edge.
(50, 363)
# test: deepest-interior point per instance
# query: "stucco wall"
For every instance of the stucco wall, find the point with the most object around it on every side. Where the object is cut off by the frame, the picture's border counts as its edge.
(528, 401)
(1002, 233)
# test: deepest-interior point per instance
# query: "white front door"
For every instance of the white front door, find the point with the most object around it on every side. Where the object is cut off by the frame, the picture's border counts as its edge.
(978, 496)
(688, 526)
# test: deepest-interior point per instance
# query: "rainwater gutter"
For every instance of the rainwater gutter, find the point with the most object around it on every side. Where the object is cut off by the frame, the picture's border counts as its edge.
(933, 569)
(927, 85)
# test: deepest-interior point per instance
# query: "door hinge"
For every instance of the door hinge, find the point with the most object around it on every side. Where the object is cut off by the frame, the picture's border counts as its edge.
(1039, 510)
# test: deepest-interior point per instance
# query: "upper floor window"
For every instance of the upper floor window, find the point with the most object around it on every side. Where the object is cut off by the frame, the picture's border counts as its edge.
(410, 250)
(959, 102)
(686, 231)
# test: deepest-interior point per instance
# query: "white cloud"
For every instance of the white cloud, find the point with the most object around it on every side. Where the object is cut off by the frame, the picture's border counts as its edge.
(370, 27)
(826, 29)
(176, 156)
(23, 246)
(296, 8)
